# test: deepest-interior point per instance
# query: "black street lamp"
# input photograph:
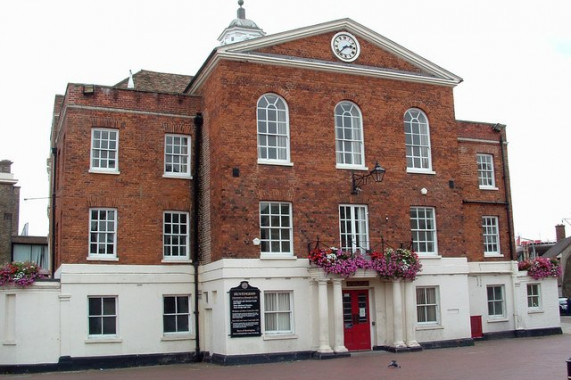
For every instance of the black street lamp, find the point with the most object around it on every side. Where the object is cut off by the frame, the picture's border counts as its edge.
(359, 180)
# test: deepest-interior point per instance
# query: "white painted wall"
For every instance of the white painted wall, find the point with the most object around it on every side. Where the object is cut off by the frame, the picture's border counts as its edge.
(48, 320)
(267, 275)
(450, 275)
(29, 324)
(517, 314)
(139, 290)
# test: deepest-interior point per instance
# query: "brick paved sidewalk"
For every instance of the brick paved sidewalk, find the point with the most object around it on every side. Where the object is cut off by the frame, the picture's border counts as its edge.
(506, 359)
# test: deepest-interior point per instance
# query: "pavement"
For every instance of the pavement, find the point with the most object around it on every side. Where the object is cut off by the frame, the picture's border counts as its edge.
(505, 359)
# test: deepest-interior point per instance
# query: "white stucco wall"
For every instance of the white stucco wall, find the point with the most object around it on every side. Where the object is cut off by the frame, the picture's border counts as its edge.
(544, 316)
(139, 290)
(267, 275)
(517, 314)
(29, 324)
(48, 320)
(450, 275)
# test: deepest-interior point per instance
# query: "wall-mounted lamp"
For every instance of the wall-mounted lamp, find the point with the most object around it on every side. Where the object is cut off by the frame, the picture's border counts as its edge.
(359, 180)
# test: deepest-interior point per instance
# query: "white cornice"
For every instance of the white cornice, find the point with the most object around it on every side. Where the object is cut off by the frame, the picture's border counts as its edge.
(245, 51)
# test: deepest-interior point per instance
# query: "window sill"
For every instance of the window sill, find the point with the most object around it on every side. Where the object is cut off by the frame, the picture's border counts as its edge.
(177, 337)
(96, 340)
(488, 188)
(276, 163)
(535, 311)
(175, 176)
(351, 167)
(497, 320)
(279, 336)
(428, 256)
(185, 260)
(429, 327)
(97, 171)
(9, 343)
(491, 255)
(420, 171)
(274, 256)
(97, 258)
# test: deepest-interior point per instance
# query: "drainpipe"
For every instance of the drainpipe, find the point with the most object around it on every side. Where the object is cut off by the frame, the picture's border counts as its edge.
(53, 211)
(195, 188)
(514, 269)
(506, 190)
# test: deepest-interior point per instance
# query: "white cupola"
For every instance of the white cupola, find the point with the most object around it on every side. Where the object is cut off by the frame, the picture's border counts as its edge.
(240, 29)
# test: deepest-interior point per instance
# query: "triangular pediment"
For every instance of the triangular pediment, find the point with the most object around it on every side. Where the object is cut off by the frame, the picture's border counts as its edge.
(311, 48)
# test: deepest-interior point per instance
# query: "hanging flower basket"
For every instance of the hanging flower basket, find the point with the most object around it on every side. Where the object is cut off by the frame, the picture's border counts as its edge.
(541, 268)
(19, 274)
(337, 261)
(396, 264)
(393, 264)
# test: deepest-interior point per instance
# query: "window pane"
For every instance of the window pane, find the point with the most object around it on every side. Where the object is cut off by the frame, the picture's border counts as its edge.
(95, 326)
(169, 323)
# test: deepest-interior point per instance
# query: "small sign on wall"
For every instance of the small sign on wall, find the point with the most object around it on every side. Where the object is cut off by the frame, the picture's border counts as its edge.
(245, 311)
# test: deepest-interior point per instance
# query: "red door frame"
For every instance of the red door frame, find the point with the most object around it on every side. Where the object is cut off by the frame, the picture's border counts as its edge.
(356, 319)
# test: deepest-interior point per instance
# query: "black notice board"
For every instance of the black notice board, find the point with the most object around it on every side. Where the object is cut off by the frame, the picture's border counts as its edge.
(245, 311)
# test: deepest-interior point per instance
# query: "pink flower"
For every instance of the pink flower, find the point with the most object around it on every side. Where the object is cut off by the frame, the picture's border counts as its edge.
(19, 274)
(541, 268)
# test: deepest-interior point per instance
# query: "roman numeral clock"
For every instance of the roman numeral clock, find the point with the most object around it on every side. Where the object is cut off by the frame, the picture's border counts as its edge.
(345, 46)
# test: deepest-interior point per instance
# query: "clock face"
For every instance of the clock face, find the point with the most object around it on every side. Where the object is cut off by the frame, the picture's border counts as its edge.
(345, 46)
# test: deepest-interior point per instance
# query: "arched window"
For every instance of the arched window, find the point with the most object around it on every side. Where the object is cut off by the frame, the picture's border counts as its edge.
(417, 137)
(349, 135)
(273, 129)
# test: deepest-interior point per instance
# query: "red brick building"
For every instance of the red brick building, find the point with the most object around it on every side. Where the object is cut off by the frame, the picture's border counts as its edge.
(185, 207)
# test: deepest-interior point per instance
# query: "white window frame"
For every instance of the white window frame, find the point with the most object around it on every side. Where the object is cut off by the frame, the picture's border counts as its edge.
(493, 302)
(101, 228)
(174, 238)
(353, 227)
(177, 159)
(417, 142)
(424, 226)
(422, 309)
(276, 129)
(102, 316)
(273, 231)
(178, 314)
(284, 310)
(486, 171)
(491, 235)
(534, 295)
(349, 140)
(102, 148)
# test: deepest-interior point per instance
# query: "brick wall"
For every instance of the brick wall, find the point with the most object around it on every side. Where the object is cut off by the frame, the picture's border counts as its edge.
(313, 184)
(139, 193)
(9, 214)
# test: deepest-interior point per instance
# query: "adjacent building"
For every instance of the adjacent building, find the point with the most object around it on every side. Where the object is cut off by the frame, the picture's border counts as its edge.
(10, 209)
(179, 200)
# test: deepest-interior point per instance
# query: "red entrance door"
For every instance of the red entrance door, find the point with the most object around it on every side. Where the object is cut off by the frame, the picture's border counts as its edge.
(357, 328)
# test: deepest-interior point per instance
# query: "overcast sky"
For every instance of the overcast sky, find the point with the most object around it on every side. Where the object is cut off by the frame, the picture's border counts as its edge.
(514, 57)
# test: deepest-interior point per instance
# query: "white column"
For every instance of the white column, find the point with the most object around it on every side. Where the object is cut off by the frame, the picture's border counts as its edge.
(410, 314)
(397, 315)
(66, 325)
(324, 346)
(338, 316)
(9, 319)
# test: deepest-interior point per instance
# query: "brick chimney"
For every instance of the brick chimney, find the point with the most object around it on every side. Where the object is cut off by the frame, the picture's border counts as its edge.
(560, 232)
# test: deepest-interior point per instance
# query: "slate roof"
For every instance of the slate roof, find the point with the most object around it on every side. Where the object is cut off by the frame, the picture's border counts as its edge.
(558, 248)
(153, 81)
